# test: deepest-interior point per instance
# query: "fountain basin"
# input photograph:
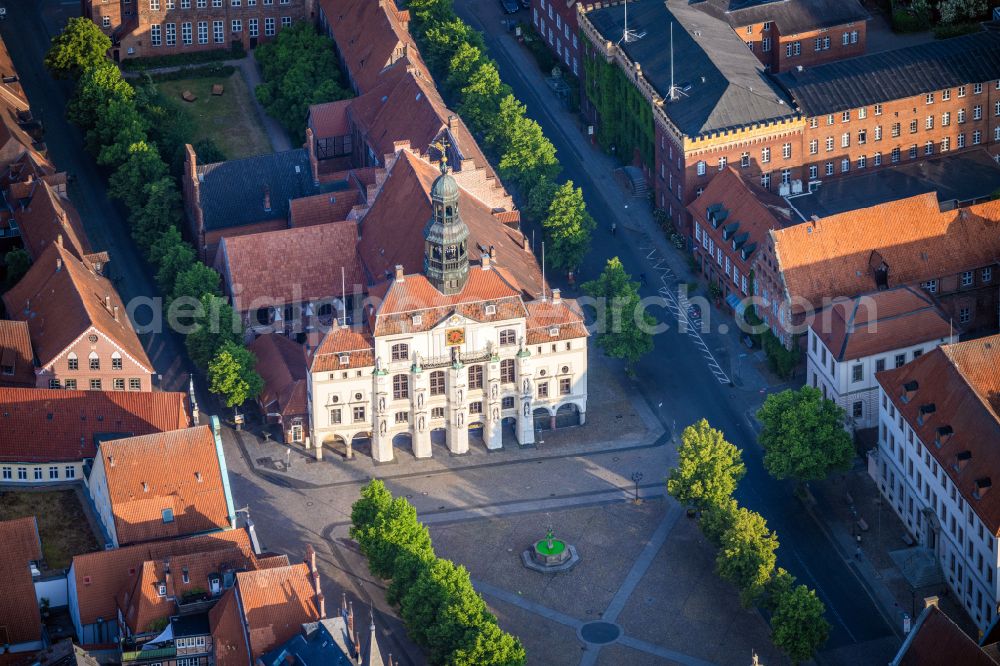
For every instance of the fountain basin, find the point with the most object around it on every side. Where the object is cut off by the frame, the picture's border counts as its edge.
(550, 556)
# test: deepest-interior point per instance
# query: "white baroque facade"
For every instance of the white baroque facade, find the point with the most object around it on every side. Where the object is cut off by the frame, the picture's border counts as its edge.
(934, 466)
(448, 358)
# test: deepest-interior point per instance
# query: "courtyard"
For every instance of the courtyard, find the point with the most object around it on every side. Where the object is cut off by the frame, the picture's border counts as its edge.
(645, 568)
(229, 119)
(63, 525)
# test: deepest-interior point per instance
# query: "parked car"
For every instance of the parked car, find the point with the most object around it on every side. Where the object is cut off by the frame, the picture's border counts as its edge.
(510, 6)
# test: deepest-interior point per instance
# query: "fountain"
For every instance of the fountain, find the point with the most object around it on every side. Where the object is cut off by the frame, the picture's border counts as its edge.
(550, 555)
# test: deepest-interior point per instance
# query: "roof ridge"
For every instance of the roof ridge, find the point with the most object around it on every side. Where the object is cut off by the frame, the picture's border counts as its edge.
(972, 387)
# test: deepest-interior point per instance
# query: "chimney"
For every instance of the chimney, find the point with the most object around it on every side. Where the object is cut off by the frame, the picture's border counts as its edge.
(107, 302)
(191, 160)
(58, 264)
(400, 276)
(59, 240)
(116, 312)
(556, 296)
(451, 121)
(343, 604)
(930, 602)
(145, 487)
(485, 260)
(311, 557)
(321, 605)
(525, 243)
(350, 625)
(267, 199)
(111, 461)
(313, 161)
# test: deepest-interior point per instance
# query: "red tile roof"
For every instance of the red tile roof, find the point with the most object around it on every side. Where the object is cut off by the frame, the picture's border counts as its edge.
(20, 621)
(321, 208)
(370, 36)
(178, 470)
(755, 209)
(276, 603)
(228, 637)
(101, 577)
(831, 257)
(415, 295)
(355, 343)
(16, 353)
(281, 363)
(62, 299)
(879, 322)
(329, 119)
(291, 265)
(962, 381)
(72, 420)
(549, 321)
(45, 218)
(936, 640)
(392, 230)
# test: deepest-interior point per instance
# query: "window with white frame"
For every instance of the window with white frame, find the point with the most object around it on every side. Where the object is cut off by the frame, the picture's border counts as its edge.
(203, 32)
(154, 5)
(828, 168)
(786, 151)
(286, 21)
(845, 165)
(814, 146)
(945, 144)
(155, 38)
(269, 27)
(106, 21)
(877, 159)
(960, 141)
(237, 26)
(964, 315)
(171, 34)
(977, 88)
(185, 4)
(845, 140)
(700, 168)
(765, 180)
(877, 132)
(813, 172)
(722, 163)
(186, 37)
(862, 161)
(977, 112)
(929, 148)
(967, 278)
(765, 155)
(930, 286)
(829, 144)
(977, 137)
(218, 31)
(252, 27)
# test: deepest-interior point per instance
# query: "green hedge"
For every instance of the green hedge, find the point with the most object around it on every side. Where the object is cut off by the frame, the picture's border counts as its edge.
(216, 70)
(946, 30)
(235, 52)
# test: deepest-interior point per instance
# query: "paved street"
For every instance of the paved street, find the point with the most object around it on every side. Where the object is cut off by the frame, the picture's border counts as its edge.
(677, 373)
(685, 378)
(27, 31)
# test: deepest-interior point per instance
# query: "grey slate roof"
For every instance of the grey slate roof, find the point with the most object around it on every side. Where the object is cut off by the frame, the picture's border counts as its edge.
(232, 192)
(724, 85)
(790, 16)
(897, 74)
(962, 177)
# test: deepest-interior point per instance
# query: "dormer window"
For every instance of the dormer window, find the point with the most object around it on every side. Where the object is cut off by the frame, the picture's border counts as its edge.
(909, 389)
(926, 411)
(554, 331)
(185, 575)
(983, 486)
(345, 359)
(962, 459)
(729, 230)
(161, 589)
(943, 435)
(491, 310)
(418, 320)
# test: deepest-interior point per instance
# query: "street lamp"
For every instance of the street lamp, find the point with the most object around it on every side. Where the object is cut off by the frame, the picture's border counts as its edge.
(636, 478)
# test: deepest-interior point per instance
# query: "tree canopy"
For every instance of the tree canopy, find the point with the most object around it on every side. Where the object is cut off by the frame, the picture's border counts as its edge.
(567, 227)
(231, 375)
(746, 555)
(624, 329)
(299, 67)
(798, 626)
(803, 435)
(708, 467)
(79, 47)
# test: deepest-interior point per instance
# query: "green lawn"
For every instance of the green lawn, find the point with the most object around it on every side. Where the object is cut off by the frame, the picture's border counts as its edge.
(230, 119)
(62, 525)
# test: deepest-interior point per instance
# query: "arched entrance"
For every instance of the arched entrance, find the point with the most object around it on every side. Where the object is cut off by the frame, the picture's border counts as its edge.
(439, 437)
(567, 415)
(335, 444)
(403, 441)
(476, 435)
(543, 420)
(508, 430)
(361, 444)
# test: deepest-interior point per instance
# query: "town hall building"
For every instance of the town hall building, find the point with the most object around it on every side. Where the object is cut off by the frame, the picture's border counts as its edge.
(454, 355)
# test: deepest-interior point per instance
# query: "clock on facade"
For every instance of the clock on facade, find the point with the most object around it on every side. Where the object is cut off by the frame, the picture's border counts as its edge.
(454, 336)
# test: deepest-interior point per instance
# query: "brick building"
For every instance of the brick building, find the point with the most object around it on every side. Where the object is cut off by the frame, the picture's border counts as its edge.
(142, 28)
(718, 107)
(795, 33)
(556, 22)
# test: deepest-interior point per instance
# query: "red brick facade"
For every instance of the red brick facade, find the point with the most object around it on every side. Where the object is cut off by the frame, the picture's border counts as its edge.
(804, 49)
(555, 21)
(831, 146)
(142, 28)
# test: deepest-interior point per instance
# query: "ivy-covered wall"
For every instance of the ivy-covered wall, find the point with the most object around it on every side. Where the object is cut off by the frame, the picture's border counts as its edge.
(625, 117)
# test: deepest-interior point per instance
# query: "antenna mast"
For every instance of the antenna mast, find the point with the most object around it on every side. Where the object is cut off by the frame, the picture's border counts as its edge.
(674, 90)
(629, 36)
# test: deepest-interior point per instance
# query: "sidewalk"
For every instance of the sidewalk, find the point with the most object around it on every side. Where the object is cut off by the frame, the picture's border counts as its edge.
(747, 368)
(618, 419)
(885, 534)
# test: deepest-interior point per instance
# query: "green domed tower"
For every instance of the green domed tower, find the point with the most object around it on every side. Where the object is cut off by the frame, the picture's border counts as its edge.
(446, 257)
